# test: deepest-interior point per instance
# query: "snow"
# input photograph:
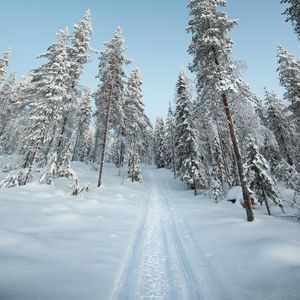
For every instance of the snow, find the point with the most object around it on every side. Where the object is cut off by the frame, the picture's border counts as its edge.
(150, 240)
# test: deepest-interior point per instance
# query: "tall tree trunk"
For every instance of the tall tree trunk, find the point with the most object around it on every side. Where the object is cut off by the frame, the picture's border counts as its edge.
(106, 128)
(267, 203)
(237, 152)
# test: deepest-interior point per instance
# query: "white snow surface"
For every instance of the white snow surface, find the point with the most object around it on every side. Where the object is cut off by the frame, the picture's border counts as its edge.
(150, 240)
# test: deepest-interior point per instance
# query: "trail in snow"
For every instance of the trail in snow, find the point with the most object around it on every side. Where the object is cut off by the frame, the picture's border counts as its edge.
(161, 262)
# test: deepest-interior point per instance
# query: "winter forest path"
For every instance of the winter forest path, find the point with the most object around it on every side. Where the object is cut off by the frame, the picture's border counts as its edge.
(163, 262)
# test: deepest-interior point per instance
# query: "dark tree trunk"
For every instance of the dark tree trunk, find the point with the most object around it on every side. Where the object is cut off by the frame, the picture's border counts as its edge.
(62, 134)
(237, 152)
(267, 203)
(236, 148)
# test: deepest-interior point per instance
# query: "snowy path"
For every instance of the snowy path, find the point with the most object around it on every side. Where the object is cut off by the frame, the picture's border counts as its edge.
(163, 261)
(141, 241)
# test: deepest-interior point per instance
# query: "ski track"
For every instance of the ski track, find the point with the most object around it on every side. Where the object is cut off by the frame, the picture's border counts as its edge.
(163, 262)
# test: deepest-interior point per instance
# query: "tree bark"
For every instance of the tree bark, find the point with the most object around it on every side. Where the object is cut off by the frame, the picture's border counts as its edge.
(237, 152)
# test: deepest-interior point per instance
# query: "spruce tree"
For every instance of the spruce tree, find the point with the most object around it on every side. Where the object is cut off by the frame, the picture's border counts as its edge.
(215, 69)
(189, 165)
(259, 180)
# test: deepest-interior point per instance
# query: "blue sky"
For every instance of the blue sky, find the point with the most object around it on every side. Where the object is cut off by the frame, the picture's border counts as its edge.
(155, 35)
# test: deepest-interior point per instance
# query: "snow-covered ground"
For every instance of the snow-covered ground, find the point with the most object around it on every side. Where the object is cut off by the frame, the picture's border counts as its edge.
(153, 240)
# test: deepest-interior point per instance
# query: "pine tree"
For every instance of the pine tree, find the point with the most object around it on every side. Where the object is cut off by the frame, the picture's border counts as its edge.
(215, 69)
(259, 180)
(109, 96)
(188, 164)
(292, 13)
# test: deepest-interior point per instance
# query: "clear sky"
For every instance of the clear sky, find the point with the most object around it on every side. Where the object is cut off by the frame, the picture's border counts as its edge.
(155, 34)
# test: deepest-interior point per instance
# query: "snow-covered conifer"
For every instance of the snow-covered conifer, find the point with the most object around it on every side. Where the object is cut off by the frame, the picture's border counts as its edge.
(216, 187)
(50, 170)
(282, 127)
(259, 180)
(4, 63)
(289, 76)
(136, 123)
(49, 87)
(189, 164)
(170, 141)
(109, 96)
(6, 105)
(78, 49)
(84, 118)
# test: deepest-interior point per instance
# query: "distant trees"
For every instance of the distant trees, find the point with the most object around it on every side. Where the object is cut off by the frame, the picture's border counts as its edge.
(159, 143)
